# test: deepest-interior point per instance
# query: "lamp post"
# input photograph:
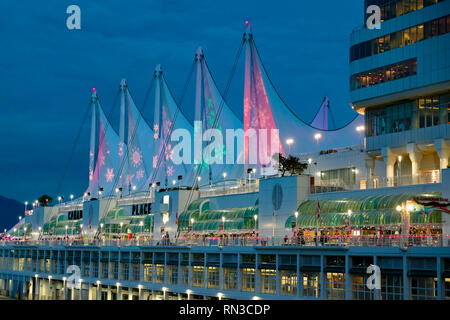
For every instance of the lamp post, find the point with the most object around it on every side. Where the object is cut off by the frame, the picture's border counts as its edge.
(289, 142)
(25, 233)
(101, 231)
(296, 225)
(224, 175)
(198, 181)
(223, 224)
(26, 205)
(192, 226)
(360, 129)
(60, 199)
(317, 137)
(120, 233)
(81, 231)
(67, 227)
(399, 171)
(71, 197)
(141, 224)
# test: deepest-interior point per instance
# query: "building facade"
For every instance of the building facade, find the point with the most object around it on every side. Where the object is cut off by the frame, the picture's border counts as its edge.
(309, 236)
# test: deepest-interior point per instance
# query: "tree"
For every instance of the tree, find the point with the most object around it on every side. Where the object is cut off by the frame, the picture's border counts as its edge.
(291, 164)
(45, 200)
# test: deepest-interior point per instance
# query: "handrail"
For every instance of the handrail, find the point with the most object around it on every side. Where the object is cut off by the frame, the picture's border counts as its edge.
(422, 240)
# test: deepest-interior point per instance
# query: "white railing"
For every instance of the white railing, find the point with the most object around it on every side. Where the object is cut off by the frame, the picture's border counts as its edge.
(230, 187)
(423, 240)
(377, 182)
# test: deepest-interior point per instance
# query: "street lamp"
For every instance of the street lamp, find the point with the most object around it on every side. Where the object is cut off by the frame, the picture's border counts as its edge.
(224, 175)
(60, 199)
(101, 231)
(71, 197)
(26, 204)
(223, 224)
(189, 292)
(399, 171)
(141, 224)
(67, 227)
(289, 142)
(360, 129)
(164, 289)
(296, 222)
(317, 137)
(192, 225)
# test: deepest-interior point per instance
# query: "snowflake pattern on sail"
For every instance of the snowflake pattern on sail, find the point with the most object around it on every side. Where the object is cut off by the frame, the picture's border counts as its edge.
(109, 174)
(139, 174)
(136, 157)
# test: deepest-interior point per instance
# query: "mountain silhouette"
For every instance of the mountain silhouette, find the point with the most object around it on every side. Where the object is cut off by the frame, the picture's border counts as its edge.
(10, 210)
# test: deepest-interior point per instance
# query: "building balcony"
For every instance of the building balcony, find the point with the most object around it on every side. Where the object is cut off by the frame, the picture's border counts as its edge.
(422, 135)
(377, 182)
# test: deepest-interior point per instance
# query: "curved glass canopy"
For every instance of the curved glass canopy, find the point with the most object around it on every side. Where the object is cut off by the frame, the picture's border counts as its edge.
(365, 211)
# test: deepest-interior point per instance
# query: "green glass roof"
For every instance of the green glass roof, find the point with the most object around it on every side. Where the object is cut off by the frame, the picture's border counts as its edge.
(366, 211)
(236, 219)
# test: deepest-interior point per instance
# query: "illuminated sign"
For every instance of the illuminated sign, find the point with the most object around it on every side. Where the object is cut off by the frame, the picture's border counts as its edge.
(141, 209)
(75, 215)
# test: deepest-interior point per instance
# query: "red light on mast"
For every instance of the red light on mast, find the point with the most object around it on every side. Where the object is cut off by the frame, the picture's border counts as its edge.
(247, 24)
(94, 90)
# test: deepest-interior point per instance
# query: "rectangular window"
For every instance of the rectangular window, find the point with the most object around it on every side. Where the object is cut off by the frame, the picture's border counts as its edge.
(268, 280)
(124, 271)
(335, 285)
(104, 270)
(248, 279)
(311, 284)
(159, 273)
(172, 273)
(148, 272)
(94, 266)
(230, 279)
(400, 38)
(391, 287)
(423, 288)
(391, 72)
(185, 275)
(86, 268)
(136, 272)
(197, 276)
(288, 283)
(446, 288)
(213, 277)
(114, 270)
(359, 288)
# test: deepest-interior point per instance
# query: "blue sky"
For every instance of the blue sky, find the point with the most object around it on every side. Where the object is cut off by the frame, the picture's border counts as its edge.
(47, 71)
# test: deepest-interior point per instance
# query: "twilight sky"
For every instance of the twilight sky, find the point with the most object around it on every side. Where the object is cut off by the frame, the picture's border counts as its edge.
(47, 71)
